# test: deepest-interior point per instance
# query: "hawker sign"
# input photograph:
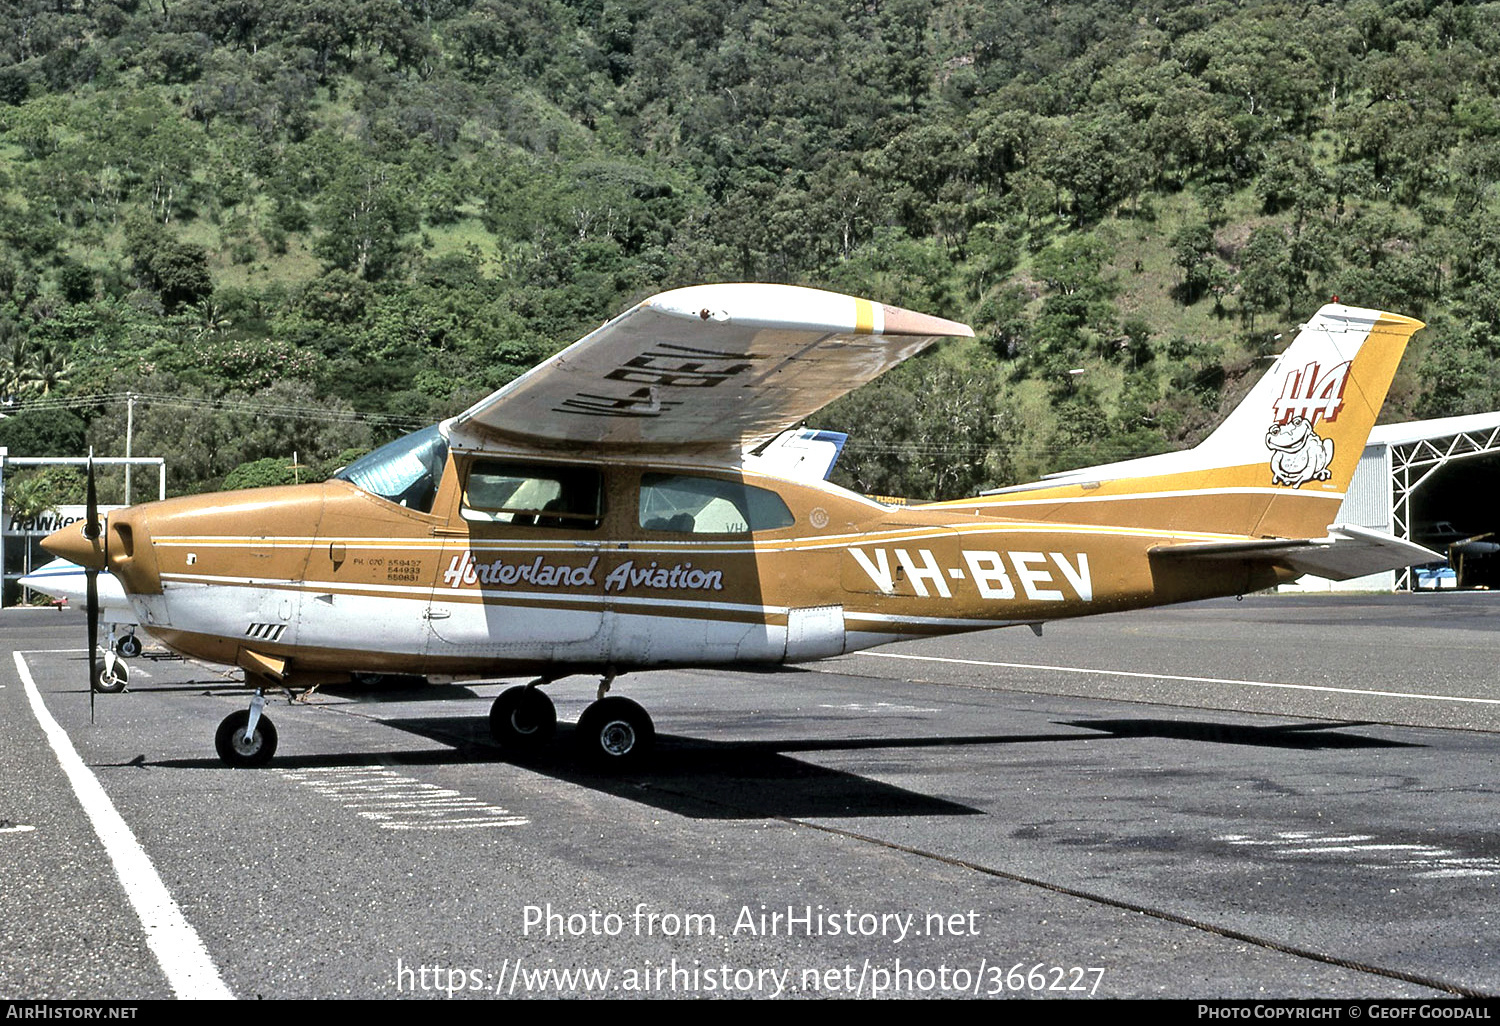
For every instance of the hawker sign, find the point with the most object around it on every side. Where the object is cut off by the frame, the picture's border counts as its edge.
(49, 521)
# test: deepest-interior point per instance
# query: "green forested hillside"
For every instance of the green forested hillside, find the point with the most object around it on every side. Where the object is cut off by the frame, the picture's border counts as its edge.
(307, 225)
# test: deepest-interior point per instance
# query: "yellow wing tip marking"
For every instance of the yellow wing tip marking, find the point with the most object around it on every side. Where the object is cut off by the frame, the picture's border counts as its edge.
(864, 317)
(1400, 322)
(899, 321)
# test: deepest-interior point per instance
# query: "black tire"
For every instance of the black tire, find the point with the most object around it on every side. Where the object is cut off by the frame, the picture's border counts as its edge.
(230, 740)
(129, 646)
(522, 719)
(615, 734)
(111, 681)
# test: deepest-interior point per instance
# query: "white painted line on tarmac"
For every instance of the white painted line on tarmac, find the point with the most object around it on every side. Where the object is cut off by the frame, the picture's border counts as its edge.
(136, 668)
(172, 939)
(1192, 680)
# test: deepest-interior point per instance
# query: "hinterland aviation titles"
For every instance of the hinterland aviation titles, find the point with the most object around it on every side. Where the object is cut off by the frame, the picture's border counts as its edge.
(542, 573)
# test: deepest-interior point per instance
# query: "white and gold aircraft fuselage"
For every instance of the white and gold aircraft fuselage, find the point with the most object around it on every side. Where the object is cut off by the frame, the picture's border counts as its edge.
(622, 507)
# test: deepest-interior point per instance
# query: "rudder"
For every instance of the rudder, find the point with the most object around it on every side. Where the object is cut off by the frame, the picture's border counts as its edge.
(1279, 464)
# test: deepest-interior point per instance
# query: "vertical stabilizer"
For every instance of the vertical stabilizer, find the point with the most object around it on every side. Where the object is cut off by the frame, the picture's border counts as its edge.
(1278, 466)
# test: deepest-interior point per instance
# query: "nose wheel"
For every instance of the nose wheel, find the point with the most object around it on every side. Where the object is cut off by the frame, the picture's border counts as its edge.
(246, 738)
(111, 676)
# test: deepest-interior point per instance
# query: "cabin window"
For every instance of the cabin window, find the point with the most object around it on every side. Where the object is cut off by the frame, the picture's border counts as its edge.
(527, 494)
(406, 471)
(707, 505)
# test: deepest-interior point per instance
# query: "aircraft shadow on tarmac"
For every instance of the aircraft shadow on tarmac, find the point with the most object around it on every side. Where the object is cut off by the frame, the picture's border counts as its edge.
(1303, 736)
(719, 779)
(704, 779)
(689, 776)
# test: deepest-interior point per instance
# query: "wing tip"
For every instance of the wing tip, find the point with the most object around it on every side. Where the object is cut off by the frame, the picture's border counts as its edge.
(775, 304)
(899, 321)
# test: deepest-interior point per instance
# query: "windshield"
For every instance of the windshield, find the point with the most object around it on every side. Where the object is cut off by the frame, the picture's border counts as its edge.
(406, 471)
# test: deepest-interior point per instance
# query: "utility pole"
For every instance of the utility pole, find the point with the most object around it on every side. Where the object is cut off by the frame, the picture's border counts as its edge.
(129, 430)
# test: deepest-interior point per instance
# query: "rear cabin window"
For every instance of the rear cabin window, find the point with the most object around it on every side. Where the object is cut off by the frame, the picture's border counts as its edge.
(707, 505)
(527, 494)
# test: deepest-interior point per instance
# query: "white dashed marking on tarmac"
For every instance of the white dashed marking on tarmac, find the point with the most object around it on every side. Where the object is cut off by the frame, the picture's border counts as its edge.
(1423, 861)
(396, 802)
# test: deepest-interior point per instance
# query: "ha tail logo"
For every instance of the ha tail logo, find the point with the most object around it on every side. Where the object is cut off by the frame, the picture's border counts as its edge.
(1298, 453)
(1312, 396)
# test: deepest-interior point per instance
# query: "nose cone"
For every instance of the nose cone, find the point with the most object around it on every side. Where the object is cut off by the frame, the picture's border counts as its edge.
(70, 543)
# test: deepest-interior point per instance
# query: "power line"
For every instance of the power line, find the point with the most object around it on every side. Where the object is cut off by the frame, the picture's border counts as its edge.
(245, 406)
(856, 446)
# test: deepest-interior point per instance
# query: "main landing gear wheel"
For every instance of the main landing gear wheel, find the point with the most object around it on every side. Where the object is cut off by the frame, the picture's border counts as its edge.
(522, 719)
(111, 677)
(615, 734)
(235, 750)
(129, 646)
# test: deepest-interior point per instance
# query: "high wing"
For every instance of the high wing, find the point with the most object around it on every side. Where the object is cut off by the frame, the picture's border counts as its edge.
(702, 369)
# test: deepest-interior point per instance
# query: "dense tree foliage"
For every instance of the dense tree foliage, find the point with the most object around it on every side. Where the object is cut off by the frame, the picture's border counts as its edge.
(303, 225)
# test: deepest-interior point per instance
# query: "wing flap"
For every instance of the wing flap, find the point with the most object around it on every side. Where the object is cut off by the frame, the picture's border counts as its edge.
(1347, 552)
(710, 367)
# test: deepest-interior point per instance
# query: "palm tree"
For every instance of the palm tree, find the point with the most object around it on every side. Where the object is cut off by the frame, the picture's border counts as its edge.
(47, 369)
(210, 318)
(15, 368)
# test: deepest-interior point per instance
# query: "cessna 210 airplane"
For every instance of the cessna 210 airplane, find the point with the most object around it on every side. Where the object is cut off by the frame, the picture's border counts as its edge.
(630, 504)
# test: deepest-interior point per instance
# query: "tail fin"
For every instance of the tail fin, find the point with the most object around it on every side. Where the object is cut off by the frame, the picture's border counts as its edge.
(1278, 467)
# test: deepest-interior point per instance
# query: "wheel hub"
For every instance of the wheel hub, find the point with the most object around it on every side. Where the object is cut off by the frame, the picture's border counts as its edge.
(244, 747)
(617, 737)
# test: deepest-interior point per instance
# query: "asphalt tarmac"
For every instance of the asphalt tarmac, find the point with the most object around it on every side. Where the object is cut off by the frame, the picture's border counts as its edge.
(1287, 797)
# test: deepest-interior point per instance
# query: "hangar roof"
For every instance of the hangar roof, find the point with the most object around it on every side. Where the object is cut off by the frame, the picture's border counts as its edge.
(1418, 430)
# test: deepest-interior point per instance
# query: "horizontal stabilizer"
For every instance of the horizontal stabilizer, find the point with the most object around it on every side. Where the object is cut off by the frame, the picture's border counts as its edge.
(1346, 552)
(801, 454)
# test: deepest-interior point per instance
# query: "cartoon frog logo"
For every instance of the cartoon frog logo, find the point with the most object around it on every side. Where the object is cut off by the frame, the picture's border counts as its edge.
(1298, 454)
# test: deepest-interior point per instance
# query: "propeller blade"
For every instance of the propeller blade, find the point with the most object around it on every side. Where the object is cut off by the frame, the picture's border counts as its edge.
(91, 531)
(92, 579)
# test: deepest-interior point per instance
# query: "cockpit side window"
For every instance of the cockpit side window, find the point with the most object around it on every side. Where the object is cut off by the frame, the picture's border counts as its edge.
(406, 471)
(536, 495)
